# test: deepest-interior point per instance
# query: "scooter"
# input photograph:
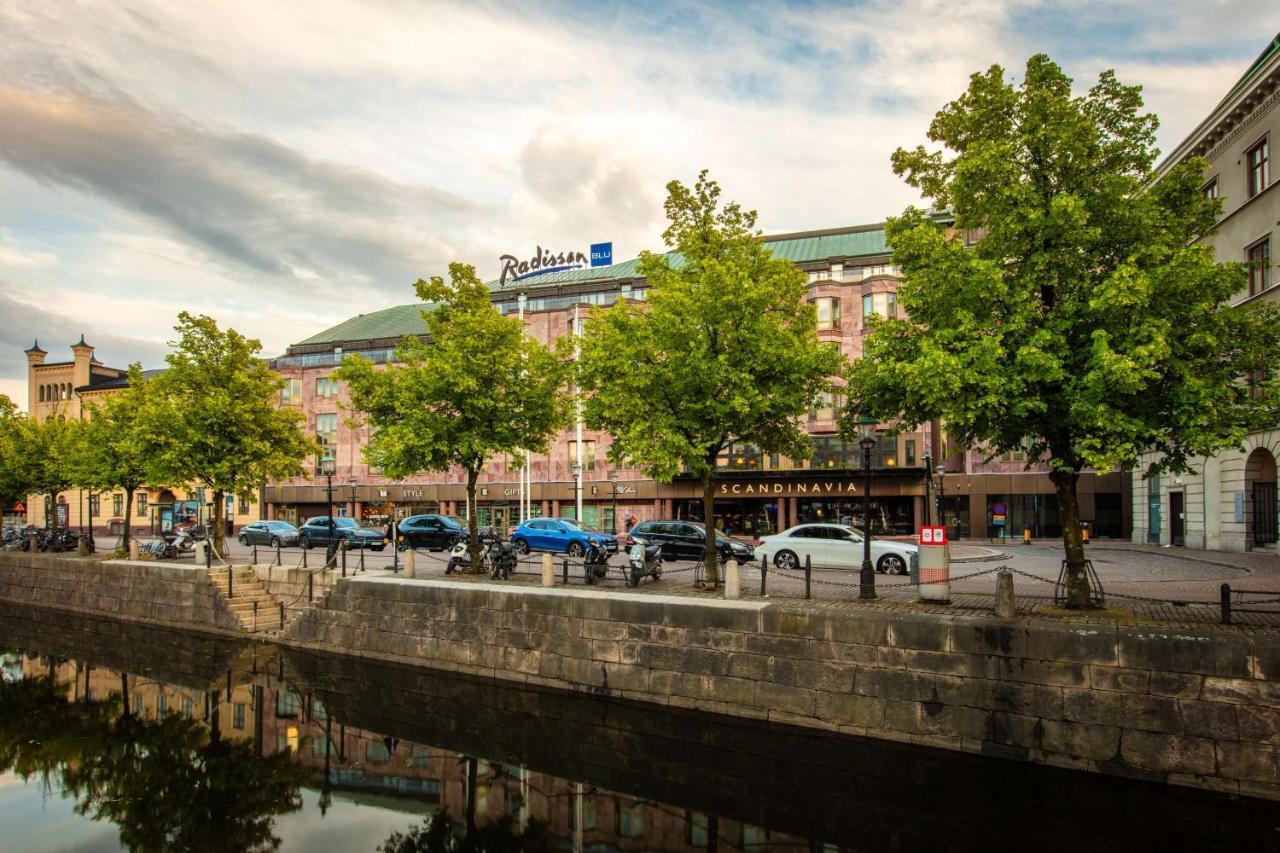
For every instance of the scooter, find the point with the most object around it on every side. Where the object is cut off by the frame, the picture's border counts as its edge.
(184, 541)
(459, 557)
(595, 563)
(497, 557)
(645, 560)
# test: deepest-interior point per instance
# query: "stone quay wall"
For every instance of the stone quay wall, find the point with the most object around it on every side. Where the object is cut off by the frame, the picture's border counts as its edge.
(173, 595)
(1194, 707)
(288, 584)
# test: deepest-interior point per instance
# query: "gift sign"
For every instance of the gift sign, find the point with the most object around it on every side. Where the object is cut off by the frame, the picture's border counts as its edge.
(933, 536)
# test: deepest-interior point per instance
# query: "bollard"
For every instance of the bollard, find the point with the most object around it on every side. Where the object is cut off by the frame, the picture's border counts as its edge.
(1005, 606)
(395, 555)
(231, 580)
(764, 573)
(342, 546)
(255, 616)
(255, 555)
(410, 563)
(133, 549)
(282, 624)
(731, 577)
(564, 565)
(1225, 592)
(82, 547)
(208, 554)
(1026, 535)
(311, 587)
(304, 557)
(279, 561)
(548, 571)
(362, 550)
(808, 574)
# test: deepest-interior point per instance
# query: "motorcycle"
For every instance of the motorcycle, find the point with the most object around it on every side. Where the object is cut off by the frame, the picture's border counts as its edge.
(184, 541)
(595, 563)
(497, 557)
(644, 559)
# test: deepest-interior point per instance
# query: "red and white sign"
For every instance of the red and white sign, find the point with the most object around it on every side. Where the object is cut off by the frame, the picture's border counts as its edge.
(933, 536)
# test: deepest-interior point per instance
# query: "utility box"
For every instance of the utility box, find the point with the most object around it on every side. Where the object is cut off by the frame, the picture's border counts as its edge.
(933, 581)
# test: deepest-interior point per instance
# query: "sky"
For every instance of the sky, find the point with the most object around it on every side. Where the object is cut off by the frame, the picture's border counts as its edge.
(283, 166)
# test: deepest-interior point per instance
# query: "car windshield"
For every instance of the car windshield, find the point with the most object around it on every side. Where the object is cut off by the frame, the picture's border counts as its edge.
(578, 525)
(345, 522)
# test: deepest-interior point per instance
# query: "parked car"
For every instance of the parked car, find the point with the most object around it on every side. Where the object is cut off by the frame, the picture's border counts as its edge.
(686, 540)
(559, 535)
(271, 533)
(315, 532)
(435, 532)
(834, 546)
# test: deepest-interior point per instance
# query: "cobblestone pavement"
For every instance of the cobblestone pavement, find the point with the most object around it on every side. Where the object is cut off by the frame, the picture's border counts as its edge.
(1143, 583)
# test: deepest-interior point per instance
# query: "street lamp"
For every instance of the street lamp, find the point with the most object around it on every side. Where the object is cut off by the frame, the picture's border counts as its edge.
(867, 577)
(577, 490)
(326, 465)
(614, 480)
(353, 483)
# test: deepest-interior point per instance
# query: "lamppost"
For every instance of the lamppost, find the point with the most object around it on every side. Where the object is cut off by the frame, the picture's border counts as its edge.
(867, 577)
(577, 490)
(941, 471)
(353, 483)
(614, 480)
(327, 466)
(928, 490)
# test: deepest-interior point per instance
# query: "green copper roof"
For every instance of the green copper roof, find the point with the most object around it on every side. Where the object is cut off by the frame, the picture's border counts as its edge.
(1264, 57)
(809, 247)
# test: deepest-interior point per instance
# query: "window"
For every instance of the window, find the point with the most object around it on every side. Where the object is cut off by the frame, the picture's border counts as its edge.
(1257, 168)
(162, 706)
(885, 454)
(142, 503)
(909, 452)
(1258, 260)
(828, 312)
(588, 813)
(825, 407)
(588, 455)
(326, 387)
(630, 821)
(291, 392)
(742, 457)
(695, 829)
(327, 435)
(137, 704)
(376, 752)
(286, 704)
(94, 505)
(237, 715)
(830, 452)
(117, 504)
(881, 304)
(187, 707)
(244, 506)
(1211, 190)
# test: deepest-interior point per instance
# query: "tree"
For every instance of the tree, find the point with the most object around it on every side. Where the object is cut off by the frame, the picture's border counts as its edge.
(215, 417)
(45, 456)
(723, 350)
(120, 445)
(1086, 320)
(479, 388)
(12, 484)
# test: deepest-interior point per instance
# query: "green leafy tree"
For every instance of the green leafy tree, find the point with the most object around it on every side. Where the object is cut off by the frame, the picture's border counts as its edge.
(45, 458)
(120, 446)
(481, 387)
(723, 350)
(1086, 320)
(12, 471)
(216, 420)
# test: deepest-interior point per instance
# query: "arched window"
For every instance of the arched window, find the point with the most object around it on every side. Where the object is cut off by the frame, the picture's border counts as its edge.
(41, 394)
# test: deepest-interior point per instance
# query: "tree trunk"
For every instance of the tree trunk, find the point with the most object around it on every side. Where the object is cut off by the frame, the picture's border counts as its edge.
(216, 536)
(471, 520)
(711, 557)
(1065, 483)
(51, 510)
(128, 518)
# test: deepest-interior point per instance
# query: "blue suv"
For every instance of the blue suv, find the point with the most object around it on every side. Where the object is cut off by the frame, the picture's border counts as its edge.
(560, 535)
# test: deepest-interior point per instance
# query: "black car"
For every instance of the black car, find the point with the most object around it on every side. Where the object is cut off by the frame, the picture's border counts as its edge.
(315, 532)
(434, 532)
(271, 533)
(686, 540)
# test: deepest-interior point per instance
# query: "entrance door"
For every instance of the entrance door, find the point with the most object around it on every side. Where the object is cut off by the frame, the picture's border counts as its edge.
(1177, 523)
(499, 515)
(1264, 513)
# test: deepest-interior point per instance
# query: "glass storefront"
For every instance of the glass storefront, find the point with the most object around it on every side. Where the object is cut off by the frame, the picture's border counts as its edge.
(1037, 512)
(893, 516)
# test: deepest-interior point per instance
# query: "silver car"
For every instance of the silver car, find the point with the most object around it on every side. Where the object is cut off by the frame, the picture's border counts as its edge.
(834, 546)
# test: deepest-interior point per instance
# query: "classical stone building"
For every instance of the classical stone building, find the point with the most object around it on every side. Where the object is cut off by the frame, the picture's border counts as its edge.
(1229, 501)
(850, 278)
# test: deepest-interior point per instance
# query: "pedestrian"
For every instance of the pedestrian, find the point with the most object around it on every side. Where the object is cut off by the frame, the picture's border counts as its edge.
(631, 522)
(391, 533)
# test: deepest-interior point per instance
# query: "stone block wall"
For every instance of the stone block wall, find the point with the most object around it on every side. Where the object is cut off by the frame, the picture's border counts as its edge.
(178, 596)
(288, 584)
(1192, 707)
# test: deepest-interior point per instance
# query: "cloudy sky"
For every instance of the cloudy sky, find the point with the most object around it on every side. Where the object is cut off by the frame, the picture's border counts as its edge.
(282, 166)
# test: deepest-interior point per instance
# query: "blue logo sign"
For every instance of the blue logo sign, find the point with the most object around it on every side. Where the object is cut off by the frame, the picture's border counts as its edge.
(601, 254)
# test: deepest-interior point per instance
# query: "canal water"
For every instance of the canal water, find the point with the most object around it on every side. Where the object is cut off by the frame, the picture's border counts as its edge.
(117, 736)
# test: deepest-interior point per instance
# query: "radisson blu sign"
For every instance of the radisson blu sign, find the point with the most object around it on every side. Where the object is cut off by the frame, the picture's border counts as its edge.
(543, 262)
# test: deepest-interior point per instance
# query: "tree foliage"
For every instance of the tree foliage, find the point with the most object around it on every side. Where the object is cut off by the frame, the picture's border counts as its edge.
(216, 419)
(120, 446)
(44, 459)
(1087, 318)
(480, 387)
(13, 486)
(724, 349)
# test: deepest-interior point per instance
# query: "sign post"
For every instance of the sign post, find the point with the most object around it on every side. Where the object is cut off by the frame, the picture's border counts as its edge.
(933, 581)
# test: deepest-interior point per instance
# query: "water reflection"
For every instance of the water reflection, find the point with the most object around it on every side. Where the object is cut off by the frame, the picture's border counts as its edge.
(185, 743)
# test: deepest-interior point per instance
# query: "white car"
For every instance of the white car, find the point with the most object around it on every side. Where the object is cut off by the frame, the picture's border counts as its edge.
(834, 546)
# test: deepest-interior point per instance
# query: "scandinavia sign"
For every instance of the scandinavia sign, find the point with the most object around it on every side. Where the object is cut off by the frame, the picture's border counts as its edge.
(824, 487)
(543, 262)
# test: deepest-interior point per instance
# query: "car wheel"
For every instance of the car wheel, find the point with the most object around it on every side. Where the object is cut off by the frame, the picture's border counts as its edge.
(451, 541)
(522, 547)
(786, 560)
(275, 541)
(575, 549)
(244, 540)
(304, 543)
(892, 564)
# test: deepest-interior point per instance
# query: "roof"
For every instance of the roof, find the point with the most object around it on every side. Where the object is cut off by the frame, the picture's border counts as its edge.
(1269, 51)
(35, 347)
(109, 383)
(798, 247)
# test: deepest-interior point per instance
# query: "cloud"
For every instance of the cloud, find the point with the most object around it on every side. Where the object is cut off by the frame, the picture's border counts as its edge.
(244, 199)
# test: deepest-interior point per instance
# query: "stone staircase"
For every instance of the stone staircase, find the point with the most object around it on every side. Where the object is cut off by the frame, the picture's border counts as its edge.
(246, 591)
